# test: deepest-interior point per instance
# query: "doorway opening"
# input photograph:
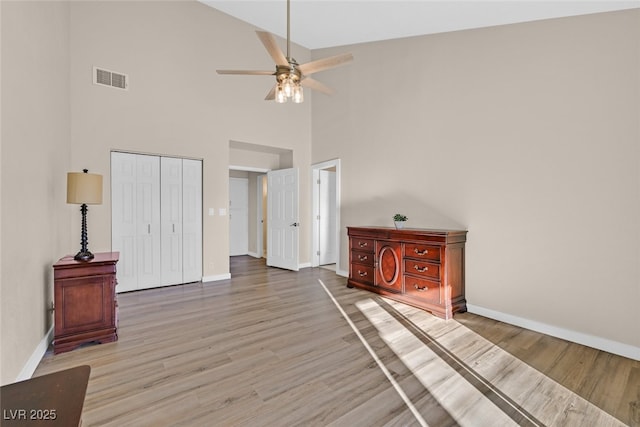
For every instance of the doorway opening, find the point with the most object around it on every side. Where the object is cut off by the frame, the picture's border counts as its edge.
(326, 215)
(254, 163)
(247, 211)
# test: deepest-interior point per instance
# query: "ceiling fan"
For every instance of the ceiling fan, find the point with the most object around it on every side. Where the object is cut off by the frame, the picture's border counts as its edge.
(291, 76)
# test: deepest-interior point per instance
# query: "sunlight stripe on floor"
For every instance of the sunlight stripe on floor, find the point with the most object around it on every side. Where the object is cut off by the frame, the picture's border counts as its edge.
(522, 386)
(381, 365)
(465, 403)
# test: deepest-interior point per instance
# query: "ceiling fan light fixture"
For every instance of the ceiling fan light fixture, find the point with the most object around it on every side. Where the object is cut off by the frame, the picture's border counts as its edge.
(298, 94)
(281, 97)
(287, 86)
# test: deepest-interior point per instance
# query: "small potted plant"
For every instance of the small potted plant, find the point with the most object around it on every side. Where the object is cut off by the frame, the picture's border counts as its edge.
(399, 220)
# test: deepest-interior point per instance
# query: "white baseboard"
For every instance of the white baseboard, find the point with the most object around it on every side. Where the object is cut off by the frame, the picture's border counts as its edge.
(342, 273)
(37, 355)
(216, 278)
(253, 254)
(599, 343)
(304, 265)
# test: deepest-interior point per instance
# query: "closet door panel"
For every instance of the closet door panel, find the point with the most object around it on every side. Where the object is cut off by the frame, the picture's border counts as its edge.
(192, 220)
(148, 223)
(171, 220)
(123, 219)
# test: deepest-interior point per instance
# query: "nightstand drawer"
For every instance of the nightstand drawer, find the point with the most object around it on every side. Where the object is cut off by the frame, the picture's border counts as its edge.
(420, 251)
(360, 257)
(420, 268)
(362, 244)
(426, 290)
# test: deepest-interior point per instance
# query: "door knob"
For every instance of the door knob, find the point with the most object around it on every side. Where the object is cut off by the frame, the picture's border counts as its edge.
(295, 224)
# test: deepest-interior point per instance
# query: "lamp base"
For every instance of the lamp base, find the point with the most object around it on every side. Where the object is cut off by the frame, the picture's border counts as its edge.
(83, 256)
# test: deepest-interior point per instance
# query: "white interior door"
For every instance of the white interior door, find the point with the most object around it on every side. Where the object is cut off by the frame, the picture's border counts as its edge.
(191, 220)
(327, 218)
(282, 218)
(238, 216)
(171, 220)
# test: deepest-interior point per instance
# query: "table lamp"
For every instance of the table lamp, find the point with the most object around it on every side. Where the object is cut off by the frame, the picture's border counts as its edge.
(84, 189)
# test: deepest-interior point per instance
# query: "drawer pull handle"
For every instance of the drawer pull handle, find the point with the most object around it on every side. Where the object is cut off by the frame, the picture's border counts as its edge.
(423, 252)
(362, 273)
(421, 269)
(362, 257)
(420, 289)
(363, 244)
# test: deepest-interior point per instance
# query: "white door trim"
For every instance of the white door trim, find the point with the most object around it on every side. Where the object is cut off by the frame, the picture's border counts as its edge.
(261, 217)
(326, 220)
(315, 175)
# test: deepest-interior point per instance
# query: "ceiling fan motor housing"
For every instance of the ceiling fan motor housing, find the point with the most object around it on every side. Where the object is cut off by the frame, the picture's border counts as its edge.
(291, 72)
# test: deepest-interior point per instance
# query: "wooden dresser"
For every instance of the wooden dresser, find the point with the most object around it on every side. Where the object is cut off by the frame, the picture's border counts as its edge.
(420, 267)
(85, 301)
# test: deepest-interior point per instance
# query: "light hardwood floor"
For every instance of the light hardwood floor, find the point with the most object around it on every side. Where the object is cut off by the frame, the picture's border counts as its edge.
(270, 348)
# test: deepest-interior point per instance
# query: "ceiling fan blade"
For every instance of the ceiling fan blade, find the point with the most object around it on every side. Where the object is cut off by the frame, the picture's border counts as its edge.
(270, 44)
(324, 64)
(247, 72)
(316, 85)
(272, 94)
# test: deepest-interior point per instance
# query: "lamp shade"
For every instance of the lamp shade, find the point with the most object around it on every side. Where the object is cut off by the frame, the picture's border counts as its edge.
(84, 188)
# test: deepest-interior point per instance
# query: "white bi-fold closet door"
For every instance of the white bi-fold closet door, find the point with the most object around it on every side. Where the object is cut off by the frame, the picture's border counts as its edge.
(156, 205)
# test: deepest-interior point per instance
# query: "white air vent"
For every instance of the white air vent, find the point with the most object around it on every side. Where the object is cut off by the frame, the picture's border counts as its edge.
(110, 78)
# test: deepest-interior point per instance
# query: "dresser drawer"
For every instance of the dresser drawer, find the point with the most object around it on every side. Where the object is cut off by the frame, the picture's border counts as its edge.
(362, 244)
(362, 273)
(424, 289)
(420, 251)
(421, 268)
(361, 257)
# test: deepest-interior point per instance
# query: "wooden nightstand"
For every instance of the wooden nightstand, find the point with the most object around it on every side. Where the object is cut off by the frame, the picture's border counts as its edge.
(85, 301)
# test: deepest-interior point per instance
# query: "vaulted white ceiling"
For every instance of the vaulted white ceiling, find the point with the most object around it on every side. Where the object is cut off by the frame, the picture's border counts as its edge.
(326, 23)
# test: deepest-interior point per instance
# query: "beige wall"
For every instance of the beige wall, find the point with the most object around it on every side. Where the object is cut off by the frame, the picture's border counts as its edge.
(55, 120)
(35, 229)
(526, 135)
